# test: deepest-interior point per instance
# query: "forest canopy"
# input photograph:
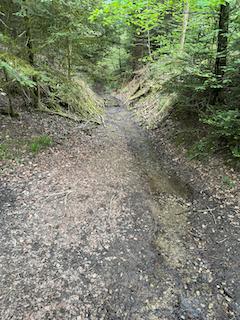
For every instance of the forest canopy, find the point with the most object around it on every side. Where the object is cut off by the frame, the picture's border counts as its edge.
(51, 48)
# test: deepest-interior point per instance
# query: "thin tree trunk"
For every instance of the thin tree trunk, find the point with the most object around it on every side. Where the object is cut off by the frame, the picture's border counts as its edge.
(184, 25)
(138, 51)
(221, 60)
(149, 43)
(8, 93)
(69, 59)
(31, 58)
(120, 59)
(149, 38)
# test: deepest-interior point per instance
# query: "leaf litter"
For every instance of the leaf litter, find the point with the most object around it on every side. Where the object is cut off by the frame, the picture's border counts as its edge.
(84, 236)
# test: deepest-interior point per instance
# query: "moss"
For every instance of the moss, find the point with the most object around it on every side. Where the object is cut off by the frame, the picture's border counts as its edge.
(74, 100)
(146, 96)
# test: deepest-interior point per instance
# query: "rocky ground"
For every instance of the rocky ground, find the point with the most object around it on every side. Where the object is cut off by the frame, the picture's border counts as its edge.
(107, 223)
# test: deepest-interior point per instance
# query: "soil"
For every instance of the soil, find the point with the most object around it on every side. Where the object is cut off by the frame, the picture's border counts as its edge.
(112, 222)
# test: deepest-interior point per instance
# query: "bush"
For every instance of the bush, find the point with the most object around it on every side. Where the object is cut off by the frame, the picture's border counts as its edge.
(226, 124)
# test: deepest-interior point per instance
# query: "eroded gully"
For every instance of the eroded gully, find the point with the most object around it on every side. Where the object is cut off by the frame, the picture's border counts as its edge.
(181, 283)
(95, 229)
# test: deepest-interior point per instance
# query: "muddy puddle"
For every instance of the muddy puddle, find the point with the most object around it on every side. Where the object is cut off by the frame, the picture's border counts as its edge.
(159, 178)
(182, 282)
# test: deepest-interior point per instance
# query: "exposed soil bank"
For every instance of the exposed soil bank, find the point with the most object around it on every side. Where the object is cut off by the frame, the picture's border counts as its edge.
(94, 229)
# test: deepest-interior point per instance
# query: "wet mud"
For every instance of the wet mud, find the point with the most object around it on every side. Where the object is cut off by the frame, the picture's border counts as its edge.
(182, 283)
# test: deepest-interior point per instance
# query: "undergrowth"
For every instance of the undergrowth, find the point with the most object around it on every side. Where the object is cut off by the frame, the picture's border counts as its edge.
(205, 126)
(200, 140)
(73, 99)
(9, 149)
(39, 143)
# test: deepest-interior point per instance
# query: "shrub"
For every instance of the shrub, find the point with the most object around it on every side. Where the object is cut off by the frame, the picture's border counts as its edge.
(226, 124)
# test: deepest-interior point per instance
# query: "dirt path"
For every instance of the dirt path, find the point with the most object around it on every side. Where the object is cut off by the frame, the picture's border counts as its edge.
(92, 230)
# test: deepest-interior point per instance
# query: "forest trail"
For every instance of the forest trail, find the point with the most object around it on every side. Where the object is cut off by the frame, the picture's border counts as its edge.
(96, 230)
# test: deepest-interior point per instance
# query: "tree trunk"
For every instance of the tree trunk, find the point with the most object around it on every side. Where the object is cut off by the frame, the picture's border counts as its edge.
(139, 47)
(9, 93)
(221, 60)
(69, 58)
(31, 58)
(184, 25)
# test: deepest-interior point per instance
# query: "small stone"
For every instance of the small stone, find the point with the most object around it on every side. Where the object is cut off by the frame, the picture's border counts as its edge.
(225, 304)
(210, 305)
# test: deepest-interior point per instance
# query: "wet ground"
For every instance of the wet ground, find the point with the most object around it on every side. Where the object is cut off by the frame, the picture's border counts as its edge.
(99, 228)
(183, 283)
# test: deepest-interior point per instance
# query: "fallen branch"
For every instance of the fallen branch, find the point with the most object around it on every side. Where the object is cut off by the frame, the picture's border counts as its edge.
(103, 121)
(206, 210)
(194, 234)
(64, 115)
(58, 194)
(212, 214)
(65, 200)
(8, 293)
(178, 214)
(67, 192)
(221, 242)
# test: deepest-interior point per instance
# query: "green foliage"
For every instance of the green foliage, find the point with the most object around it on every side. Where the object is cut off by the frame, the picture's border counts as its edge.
(202, 148)
(229, 182)
(38, 143)
(4, 148)
(18, 71)
(226, 124)
(47, 42)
